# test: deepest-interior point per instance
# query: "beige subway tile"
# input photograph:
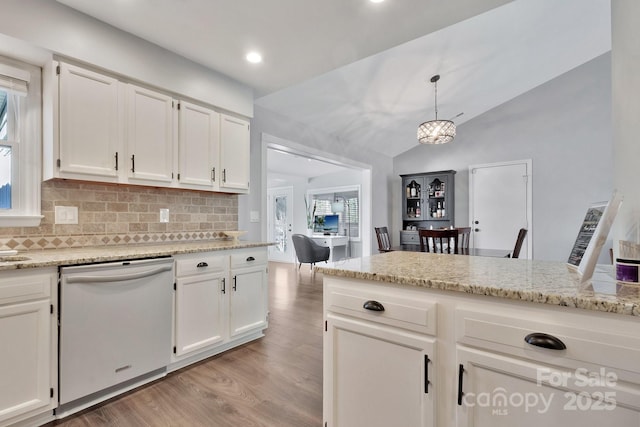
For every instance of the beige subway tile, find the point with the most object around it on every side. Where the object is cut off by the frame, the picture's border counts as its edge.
(93, 206)
(93, 228)
(138, 226)
(117, 207)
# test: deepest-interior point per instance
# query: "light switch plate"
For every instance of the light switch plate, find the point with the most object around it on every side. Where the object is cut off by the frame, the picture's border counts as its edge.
(254, 216)
(164, 215)
(66, 215)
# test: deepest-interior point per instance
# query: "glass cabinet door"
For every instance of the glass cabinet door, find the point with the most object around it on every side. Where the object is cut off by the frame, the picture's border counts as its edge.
(413, 196)
(437, 195)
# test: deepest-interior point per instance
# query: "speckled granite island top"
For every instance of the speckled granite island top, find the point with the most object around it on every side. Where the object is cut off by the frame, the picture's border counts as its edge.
(87, 255)
(533, 281)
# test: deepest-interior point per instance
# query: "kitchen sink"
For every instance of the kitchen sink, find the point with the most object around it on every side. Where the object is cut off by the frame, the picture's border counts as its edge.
(14, 258)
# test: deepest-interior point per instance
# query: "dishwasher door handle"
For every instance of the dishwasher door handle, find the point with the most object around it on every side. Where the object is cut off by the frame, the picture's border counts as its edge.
(117, 277)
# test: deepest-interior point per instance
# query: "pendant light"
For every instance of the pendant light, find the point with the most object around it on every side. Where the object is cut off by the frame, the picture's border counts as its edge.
(436, 131)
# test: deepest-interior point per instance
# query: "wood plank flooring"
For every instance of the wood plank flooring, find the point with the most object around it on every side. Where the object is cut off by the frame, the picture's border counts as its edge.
(274, 381)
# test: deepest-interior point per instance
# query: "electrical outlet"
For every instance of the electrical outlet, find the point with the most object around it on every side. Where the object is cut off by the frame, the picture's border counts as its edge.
(254, 216)
(66, 215)
(164, 215)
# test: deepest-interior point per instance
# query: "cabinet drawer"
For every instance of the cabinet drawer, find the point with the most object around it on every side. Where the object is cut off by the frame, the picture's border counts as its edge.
(187, 265)
(415, 314)
(599, 343)
(23, 285)
(248, 258)
(409, 238)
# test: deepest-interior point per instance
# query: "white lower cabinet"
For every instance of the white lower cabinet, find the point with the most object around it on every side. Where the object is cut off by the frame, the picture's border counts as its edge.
(199, 302)
(28, 377)
(493, 362)
(378, 376)
(220, 302)
(248, 293)
(499, 391)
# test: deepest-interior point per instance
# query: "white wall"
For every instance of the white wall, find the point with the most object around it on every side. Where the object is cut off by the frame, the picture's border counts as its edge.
(564, 126)
(626, 110)
(61, 30)
(268, 122)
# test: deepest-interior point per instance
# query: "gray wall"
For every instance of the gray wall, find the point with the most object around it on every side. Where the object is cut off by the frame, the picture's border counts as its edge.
(64, 31)
(564, 126)
(265, 121)
(626, 110)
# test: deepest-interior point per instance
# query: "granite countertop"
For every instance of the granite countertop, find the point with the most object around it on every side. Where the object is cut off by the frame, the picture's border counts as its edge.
(518, 279)
(87, 255)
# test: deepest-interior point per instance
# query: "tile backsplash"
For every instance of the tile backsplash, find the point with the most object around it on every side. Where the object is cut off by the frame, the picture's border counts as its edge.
(110, 214)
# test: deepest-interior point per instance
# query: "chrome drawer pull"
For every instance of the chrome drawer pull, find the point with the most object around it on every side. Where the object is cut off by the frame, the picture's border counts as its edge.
(543, 340)
(373, 306)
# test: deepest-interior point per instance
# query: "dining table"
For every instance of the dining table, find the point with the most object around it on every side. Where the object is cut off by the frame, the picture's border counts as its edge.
(495, 253)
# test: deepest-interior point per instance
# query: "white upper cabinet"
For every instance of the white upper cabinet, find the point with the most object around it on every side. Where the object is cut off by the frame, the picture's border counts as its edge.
(199, 147)
(89, 124)
(234, 153)
(150, 126)
(112, 131)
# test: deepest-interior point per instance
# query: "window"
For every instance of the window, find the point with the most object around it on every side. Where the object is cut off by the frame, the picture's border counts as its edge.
(20, 142)
(347, 202)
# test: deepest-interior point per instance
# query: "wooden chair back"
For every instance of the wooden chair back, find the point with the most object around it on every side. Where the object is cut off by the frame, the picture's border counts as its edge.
(437, 241)
(521, 235)
(384, 242)
(464, 235)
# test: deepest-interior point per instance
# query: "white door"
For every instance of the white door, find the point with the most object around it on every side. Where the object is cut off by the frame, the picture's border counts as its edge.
(150, 127)
(199, 141)
(378, 376)
(199, 311)
(234, 152)
(25, 359)
(500, 391)
(248, 295)
(279, 221)
(500, 204)
(89, 123)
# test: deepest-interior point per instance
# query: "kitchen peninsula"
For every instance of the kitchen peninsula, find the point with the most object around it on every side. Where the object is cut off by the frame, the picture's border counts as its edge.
(450, 340)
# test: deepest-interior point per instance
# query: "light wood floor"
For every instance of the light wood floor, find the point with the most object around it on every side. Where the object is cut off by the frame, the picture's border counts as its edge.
(274, 381)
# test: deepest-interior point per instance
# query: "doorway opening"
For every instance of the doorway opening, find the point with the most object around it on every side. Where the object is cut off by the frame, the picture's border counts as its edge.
(293, 176)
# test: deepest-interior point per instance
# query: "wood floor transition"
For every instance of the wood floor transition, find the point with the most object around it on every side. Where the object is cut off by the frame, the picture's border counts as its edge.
(274, 381)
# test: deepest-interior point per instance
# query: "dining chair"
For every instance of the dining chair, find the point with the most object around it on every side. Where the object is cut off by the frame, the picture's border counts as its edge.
(440, 239)
(464, 235)
(521, 235)
(384, 242)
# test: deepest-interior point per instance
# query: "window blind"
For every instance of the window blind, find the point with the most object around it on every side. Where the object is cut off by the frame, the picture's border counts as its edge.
(14, 80)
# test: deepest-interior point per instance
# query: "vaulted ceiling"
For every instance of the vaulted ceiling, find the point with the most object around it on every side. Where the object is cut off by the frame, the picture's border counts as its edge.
(360, 71)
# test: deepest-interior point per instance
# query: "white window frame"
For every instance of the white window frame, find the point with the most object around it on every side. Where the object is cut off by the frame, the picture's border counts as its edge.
(27, 149)
(344, 189)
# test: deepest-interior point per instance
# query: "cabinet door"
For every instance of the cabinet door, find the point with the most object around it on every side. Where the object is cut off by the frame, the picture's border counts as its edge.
(149, 135)
(234, 152)
(89, 123)
(499, 391)
(377, 376)
(25, 358)
(413, 207)
(248, 301)
(200, 312)
(199, 147)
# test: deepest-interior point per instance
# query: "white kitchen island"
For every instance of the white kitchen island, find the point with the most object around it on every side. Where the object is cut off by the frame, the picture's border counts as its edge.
(417, 339)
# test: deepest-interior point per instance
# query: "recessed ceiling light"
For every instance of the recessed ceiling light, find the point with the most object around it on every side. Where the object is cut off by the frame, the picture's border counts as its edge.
(254, 57)
(376, 1)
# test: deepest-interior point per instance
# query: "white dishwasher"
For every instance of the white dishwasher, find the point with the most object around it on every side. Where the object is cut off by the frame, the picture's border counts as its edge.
(115, 327)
